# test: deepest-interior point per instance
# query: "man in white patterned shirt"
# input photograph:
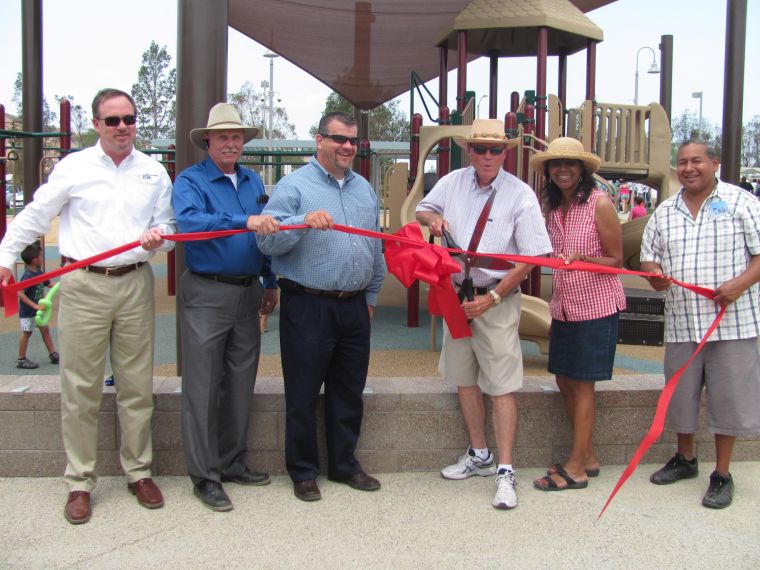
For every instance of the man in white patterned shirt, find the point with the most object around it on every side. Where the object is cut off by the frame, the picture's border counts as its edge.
(708, 234)
(491, 360)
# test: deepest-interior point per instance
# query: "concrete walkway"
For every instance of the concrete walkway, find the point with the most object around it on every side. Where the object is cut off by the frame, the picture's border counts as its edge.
(415, 520)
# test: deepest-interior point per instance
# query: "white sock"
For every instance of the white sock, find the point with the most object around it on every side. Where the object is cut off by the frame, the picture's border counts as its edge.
(506, 466)
(481, 453)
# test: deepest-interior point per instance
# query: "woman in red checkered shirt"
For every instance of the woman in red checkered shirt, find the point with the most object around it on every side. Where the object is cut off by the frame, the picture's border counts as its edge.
(583, 225)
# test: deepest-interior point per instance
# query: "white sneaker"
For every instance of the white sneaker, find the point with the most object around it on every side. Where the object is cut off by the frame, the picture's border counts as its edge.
(468, 465)
(505, 497)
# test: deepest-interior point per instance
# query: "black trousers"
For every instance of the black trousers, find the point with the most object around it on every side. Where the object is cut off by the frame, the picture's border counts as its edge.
(323, 340)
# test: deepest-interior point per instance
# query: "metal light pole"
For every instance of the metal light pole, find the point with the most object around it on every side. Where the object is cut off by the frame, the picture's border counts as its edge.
(652, 69)
(477, 109)
(270, 137)
(698, 95)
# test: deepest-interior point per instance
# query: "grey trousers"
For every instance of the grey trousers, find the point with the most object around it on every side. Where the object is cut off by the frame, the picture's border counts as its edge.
(220, 356)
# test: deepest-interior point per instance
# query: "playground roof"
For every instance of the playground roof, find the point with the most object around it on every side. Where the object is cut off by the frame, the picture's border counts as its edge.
(366, 51)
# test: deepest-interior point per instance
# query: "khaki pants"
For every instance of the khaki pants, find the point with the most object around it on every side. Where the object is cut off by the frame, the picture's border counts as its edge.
(96, 312)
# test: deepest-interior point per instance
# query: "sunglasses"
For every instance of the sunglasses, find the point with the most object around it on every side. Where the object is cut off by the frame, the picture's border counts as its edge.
(114, 121)
(494, 150)
(563, 163)
(342, 139)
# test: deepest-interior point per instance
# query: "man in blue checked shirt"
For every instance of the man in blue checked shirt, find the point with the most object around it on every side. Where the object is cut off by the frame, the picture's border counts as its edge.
(329, 282)
(708, 234)
(221, 298)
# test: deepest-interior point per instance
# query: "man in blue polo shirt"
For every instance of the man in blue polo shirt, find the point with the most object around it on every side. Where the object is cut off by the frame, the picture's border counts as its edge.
(221, 297)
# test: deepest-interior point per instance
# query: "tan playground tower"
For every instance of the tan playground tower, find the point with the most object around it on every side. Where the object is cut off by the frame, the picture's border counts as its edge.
(633, 141)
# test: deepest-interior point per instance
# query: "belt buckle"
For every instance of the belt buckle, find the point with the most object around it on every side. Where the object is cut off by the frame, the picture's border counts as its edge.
(108, 272)
(343, 294)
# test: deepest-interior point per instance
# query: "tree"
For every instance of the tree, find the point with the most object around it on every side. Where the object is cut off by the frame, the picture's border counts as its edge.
(154, 95)
(386, 122)
(49, 117)
(252, 106)
(751, 142)
(686, 126)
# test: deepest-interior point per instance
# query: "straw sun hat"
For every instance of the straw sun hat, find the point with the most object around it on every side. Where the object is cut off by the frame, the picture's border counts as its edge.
(565, 147)
(486, 131)
(222, 117)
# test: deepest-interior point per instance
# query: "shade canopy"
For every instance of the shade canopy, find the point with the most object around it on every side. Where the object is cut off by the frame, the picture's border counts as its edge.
(366, 51)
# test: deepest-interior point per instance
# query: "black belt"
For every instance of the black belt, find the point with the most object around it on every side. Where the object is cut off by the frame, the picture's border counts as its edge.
(485, 290)
(110, 271)
(292, 287)
(239, 280)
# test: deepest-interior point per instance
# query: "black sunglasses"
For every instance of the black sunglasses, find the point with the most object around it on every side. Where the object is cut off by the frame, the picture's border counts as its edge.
(563, 162)
(494, 150)
(342, 139)
(114, 121)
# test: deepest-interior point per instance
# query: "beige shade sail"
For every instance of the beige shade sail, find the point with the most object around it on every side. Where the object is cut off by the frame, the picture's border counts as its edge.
(365, 51)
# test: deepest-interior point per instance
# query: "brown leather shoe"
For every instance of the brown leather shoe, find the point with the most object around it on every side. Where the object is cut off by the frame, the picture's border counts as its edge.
(307, 490)
(77, 509)
(147, 492)
(361, 481)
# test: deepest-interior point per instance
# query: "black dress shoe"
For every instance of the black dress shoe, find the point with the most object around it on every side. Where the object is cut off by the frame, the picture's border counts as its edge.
(212, 495)
(248, 477)
(361, 481)
(307, 490)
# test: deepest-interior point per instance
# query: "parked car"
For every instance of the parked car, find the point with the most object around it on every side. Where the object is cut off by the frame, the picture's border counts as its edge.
(18, 201)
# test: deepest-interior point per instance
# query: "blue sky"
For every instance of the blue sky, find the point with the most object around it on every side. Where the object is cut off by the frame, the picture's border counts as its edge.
(88, 46)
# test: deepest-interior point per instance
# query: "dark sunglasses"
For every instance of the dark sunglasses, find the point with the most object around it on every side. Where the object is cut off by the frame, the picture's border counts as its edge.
(114, 121)
(494, 150)
(342, 139)
(563, 162)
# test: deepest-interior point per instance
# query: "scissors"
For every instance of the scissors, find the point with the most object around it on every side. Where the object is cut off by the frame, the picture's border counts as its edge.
(467, 289)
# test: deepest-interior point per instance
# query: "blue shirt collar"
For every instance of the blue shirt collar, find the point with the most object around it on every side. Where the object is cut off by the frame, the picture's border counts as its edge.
(215, 173)
(348, 176)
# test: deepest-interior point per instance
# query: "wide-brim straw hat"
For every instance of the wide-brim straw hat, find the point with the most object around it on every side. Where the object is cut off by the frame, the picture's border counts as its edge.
(486, 131)
(566, 147)
(222, 117)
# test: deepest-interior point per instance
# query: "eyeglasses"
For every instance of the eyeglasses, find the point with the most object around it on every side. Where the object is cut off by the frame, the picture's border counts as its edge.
(563, 163)
(114, 121)
(342, 139)
(494, 150)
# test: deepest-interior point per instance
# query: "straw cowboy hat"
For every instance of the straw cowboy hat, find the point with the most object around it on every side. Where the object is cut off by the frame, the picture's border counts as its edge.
(486, 131)
(222, 116)
(566, 147)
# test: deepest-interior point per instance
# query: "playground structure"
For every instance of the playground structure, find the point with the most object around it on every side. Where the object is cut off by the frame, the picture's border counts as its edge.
(633, 141)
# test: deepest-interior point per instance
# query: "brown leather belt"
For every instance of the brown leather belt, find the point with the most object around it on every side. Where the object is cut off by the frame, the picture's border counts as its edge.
(239, 280)
(110, 271)
(292, 287)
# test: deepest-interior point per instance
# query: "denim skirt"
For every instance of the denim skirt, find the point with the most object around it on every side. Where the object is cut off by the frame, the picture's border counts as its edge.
(583, 350)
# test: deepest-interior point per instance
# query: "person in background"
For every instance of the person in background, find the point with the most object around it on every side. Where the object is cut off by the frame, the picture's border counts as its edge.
(490, 361)
(639, 210)
(222, 298)
(583, 225)
(709, 234)
(329, 281)
(107, 195)
(744, 184)
(30, 299)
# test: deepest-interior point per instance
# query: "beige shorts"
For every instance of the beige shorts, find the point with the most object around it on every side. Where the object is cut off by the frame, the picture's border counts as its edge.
(491, 358)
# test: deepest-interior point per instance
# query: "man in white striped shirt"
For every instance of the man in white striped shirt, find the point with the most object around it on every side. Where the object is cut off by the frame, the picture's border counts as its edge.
(708, 234)
(490, 361)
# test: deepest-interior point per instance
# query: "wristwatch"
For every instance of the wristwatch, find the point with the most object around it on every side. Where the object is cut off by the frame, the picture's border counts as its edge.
(496, 296)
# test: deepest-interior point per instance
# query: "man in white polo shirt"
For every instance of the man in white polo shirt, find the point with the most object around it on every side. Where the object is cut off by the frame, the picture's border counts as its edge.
(107, 195)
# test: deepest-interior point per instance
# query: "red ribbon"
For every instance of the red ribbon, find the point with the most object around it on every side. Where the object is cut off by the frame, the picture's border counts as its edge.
(409, 257)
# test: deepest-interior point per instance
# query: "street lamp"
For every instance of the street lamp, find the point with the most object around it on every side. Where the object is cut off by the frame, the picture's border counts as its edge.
(271, 55)
(652, 69)
(698, 95)
(477, 110)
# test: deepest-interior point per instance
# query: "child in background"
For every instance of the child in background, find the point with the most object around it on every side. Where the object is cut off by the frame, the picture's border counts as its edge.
(30, 298)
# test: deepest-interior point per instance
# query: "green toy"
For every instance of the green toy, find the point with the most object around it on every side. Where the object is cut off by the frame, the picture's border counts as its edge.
(43, 315)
